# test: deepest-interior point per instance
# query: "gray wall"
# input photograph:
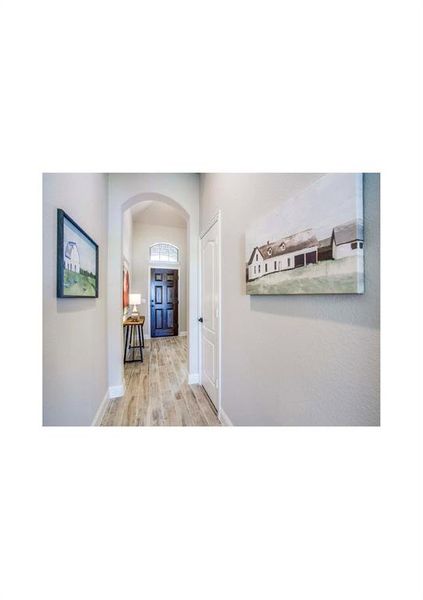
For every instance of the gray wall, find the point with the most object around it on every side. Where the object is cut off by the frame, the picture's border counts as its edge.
(74, 330)
(293, 360)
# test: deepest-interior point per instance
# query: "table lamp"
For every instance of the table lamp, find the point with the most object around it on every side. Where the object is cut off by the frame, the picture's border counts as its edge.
(134, 299)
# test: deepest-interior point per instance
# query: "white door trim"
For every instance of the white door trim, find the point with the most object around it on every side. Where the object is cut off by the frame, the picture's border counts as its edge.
(217, 219)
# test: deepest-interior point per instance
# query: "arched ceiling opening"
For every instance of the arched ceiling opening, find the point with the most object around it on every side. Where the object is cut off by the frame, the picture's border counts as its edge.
(143, 201)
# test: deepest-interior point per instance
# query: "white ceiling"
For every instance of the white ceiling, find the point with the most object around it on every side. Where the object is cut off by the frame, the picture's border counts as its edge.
(151, 212)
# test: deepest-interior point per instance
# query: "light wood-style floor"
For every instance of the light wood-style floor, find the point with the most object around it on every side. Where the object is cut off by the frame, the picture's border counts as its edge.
(157, 390)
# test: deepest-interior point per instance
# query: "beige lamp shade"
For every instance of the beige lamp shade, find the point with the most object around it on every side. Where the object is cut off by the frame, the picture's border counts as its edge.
(134, 298)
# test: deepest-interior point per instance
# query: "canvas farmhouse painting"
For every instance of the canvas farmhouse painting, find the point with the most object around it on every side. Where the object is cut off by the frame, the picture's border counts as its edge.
(313, 243)
(77, 260)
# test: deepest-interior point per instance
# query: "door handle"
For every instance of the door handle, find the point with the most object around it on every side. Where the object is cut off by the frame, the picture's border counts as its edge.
(200, 319)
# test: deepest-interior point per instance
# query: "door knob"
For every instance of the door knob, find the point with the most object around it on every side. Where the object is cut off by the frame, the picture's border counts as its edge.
(200, 319)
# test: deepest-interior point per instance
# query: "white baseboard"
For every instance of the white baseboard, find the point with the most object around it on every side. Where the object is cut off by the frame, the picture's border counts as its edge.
(116, 391)
(101, 410)
(224, 419)
(193, 378)
(183, 333)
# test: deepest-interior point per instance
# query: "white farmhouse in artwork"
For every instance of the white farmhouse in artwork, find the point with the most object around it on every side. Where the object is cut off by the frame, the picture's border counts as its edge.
(303, 249)
(72, 257)
(296, 250)
(347, 239)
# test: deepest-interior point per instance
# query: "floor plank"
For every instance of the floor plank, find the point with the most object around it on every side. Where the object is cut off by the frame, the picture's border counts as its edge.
(157, 391)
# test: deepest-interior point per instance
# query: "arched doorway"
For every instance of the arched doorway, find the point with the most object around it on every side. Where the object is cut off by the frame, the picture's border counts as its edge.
(155, 253)
(120, 200)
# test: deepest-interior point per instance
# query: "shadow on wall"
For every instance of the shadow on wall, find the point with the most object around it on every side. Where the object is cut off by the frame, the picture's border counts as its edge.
(345, 309)
(350, 309)
(73, 305)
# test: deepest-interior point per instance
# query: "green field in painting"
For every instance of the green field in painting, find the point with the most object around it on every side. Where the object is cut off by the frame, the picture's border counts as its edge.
(77, 284)
(328, 277)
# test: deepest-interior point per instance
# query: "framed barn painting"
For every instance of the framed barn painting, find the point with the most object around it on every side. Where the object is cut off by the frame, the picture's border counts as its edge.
(313, 243)
(77, 260)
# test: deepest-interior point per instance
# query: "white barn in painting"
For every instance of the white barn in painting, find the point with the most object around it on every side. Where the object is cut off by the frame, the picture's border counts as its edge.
(303, 249)
(296, 250)
(347, 239)
(72, 257)
(320, 242)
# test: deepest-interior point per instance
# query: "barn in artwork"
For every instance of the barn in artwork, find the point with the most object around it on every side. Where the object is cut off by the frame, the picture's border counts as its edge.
(312, 244)
(72, 262)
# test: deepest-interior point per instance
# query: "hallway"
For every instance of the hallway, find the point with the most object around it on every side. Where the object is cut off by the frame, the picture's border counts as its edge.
(157, 392)
(178, 249)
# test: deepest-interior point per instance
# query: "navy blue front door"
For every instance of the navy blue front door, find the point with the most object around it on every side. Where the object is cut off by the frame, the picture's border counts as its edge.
(164, 302)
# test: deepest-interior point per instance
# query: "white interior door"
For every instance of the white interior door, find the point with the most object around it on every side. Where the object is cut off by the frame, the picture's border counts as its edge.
(210, 312)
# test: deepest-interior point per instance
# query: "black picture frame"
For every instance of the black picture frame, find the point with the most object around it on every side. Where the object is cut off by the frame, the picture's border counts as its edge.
(74, 277)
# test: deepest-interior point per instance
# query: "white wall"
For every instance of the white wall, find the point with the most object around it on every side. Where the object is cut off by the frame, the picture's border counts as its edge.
(144, 236)
(303, 360)
(127, 228)
(74, 329)
(180, 190)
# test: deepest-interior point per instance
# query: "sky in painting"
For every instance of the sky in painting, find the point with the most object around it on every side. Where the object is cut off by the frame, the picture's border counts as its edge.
(330, 201)
(87, 254)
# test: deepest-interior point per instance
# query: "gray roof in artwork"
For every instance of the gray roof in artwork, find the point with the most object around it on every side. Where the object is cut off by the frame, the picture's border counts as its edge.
(292, 243)
(69, 247)
(349, 232)
(325, 242)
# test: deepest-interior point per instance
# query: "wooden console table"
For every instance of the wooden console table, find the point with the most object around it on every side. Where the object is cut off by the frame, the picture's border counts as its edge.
(134, 338)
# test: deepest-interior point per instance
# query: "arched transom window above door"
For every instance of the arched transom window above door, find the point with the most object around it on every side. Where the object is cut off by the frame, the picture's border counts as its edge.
(164, 252)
